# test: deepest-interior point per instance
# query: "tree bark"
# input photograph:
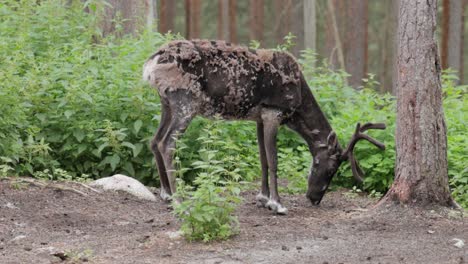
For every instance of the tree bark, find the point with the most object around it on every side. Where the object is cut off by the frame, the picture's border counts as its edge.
(192, 19)
(283, 19)
(334, 46)
(167, 13)
(130, 15)
(452, 32)
(355, 41)
(151, 11)
(256, 19)
(421, 174)
(389, 47)
(310, 25)
(227, 29)
(297, 26)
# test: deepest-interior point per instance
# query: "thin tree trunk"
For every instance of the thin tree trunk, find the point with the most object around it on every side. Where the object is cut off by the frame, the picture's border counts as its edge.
(232, 21)
(336, 40)
(256, 20)
(310, 25)
(283, 19)
(455, 54)
(167, 13)
(151, 11)
(192, 18)
(421, 175)
(227, 29)
(355, 46)
(389, 46)
(445, 31)
(452, 32)
(131, 15)
(297, 29)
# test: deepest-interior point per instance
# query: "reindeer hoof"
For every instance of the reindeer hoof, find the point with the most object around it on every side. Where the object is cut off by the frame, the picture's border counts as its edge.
(262, 200)
(277, 207)
(165, 196)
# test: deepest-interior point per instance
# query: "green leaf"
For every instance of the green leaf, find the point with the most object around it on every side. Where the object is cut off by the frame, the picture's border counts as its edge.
(68, 113)
(114, 161)
(137, 125)
(137, 149)
(78, 134)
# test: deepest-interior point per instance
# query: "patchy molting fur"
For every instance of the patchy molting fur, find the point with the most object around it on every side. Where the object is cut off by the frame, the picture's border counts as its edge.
(227, 80)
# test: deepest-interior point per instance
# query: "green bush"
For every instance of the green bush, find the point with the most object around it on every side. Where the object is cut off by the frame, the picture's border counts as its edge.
(206, 209)
(72, 100)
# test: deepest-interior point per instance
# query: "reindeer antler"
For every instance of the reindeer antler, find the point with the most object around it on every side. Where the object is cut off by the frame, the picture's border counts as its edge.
(358, 135)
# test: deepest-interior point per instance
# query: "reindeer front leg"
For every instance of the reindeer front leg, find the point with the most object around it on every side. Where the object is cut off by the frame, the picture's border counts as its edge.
(271, 122)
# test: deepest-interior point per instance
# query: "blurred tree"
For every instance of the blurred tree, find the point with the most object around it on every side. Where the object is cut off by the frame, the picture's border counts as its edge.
(256, 24)
(421, 174)
(297, 26)
(452, 31)
(167, 14)
(128, 17)
(389, 46)
(192, 19)
(333, 44)
(282, 22)
(227, 28)
(355, 41)
(310, 25)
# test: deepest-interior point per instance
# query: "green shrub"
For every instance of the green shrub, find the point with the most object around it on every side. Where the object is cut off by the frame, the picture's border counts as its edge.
(206, 209)
(73, 100)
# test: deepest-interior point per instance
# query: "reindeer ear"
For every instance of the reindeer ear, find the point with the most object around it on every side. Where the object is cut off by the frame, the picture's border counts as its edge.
(332, 142)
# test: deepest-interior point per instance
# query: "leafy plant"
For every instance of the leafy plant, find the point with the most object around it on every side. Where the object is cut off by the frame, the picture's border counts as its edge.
(207, 208)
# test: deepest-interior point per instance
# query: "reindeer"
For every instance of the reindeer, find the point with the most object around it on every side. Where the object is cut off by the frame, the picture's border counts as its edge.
(215, 78)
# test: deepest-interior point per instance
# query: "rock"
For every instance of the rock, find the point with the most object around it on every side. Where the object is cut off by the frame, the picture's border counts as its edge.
(459, 243)
(127, 184)
(174, 235)
(285, 248)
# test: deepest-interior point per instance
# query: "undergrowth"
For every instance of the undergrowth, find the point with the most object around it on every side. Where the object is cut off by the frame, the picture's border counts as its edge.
(72, 104)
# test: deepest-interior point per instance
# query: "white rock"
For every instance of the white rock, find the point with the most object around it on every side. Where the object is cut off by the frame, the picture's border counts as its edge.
(174, 235)
(459, 243)
(124, 183)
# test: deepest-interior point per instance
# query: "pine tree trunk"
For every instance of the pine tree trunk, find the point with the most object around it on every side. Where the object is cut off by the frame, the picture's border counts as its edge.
(333, 34)
(452, 32)
(355, 41)
(421, 175)
(131, 15)
(389, 46)
(227, 29)
(256, 20)
(310, 25)
(297, 29)
(192, 18)
(167, 13)
(151, 11)
(283, 19)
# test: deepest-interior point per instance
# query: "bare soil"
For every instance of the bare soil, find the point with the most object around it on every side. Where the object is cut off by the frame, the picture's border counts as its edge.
(68, 223)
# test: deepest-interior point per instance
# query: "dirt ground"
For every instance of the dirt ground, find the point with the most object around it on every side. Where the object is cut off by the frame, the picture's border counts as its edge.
(68, 223)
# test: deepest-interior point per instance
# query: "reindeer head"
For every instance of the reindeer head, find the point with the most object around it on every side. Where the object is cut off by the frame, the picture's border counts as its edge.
(329, 157)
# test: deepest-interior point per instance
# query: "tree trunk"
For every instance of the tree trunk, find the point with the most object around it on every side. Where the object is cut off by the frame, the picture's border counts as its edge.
(333, 43)
(283, 19)
(355, 41)
(192, 19)
(227, 29)
(256, 20)
(167, 13)
(421, 175)
(310, 25)
(389, 46)
(151, 12)
(130, 15)
(452, 32)
(297, 27)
